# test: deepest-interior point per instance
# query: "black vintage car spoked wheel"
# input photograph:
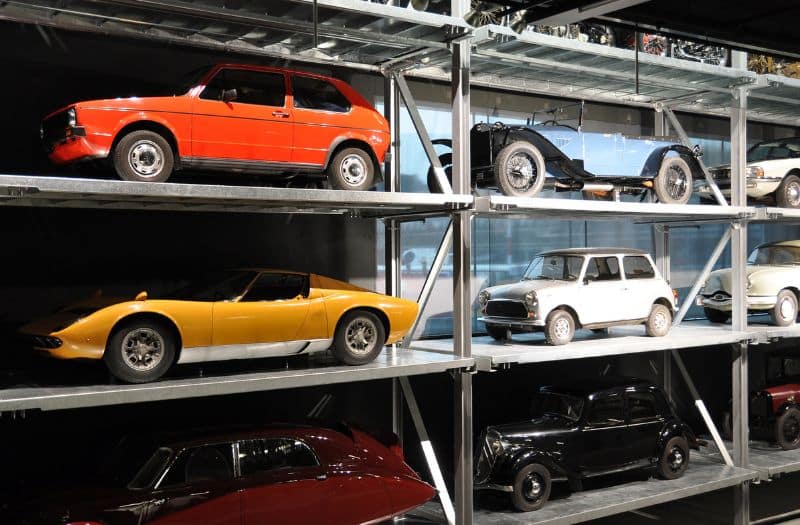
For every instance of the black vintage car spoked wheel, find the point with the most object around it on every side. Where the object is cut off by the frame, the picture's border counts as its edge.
(531, 487)
(788, 429)
(673, 184)
(520, 170)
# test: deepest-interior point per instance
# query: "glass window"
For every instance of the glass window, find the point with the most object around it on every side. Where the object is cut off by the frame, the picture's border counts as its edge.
(642, 406)
(275, 286)
(638, 267)
(791, 367)
(259, 455)
(252, 87)
(201, 464)
(775, 254)
(607, 411)
(315, 93)
(552, 404)
(215, 286)
(554, 267)
(602, 269)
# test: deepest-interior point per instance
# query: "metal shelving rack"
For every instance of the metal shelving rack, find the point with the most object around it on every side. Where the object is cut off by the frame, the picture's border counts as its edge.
(396, 42)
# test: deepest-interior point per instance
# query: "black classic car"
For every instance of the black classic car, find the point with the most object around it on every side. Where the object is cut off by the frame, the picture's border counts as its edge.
(597, 427)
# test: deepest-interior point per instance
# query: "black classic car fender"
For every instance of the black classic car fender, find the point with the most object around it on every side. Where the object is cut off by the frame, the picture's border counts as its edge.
(671, 430)
(653, 163)
(504, 473)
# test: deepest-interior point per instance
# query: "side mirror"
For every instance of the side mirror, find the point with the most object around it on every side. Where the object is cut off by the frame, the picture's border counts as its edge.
(229, 95)
(141, 296)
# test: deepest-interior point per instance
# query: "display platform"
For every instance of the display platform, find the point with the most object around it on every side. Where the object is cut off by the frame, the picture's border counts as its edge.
(764, 332)
(315, 370)
(531, 348)
(768, 459)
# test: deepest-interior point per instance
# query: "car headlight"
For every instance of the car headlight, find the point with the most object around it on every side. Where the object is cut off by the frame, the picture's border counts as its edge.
(72, 117)
(756, 172)
(495, 442)
(484, 297)
(530, 299)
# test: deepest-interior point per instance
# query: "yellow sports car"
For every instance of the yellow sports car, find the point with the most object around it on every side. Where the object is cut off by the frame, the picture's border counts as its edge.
(235, 314)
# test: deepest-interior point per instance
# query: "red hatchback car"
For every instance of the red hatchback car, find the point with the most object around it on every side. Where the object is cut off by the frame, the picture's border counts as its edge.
(236, 118)
(297, 475)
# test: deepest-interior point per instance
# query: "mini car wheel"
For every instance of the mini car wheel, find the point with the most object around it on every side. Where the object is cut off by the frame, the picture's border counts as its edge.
(673, 184)
(674, 458)
(659, 321)
(531, 487)
(140, 351)
(784, 313)
(498, 333)
(787, 429)
(143, 156)
(788, 193)
(519, 170)
(359, 338)
(446, 160)
(716, 316)
(559, 327)
(351, 169)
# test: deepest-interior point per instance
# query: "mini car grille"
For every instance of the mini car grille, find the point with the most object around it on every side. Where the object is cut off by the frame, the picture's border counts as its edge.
(53, 127)
(483, 467)
(504, 308)
(719, 296)
(722, 178)
(42, 341)
(760, 405)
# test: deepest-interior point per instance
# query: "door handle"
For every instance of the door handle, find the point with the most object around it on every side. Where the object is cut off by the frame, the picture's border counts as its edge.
(321, 477)
(281, 114)
(159, 501)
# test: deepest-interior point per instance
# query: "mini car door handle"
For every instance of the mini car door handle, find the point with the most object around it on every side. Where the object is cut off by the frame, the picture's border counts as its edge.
(321, 477)
(159, 501)
(281, 114)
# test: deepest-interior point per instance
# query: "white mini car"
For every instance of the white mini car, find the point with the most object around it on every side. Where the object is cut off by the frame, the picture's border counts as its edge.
(773, 171)
(592, 288)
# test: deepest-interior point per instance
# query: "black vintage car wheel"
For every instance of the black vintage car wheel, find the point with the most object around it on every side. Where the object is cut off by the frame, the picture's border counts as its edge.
(143, 156)
(140, 351)
(498, 333)
(531, 487)
(788, 193)
(659, 321)
(784, 313)
(787, 429)
(673, 184)
(716, 316)
(519, 170)
(446, 160)
(674, 458)
(559, 329)
(359, 338)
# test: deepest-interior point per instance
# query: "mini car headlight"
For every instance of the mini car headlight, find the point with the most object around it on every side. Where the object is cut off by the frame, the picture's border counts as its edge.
(72, 117)
(484, 297)
(494, 442)
(755, 172)
(530, 299)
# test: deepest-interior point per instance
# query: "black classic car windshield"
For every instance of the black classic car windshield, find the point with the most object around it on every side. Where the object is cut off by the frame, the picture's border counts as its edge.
(562, 405)
(777, 149)
(775, 255)
(554, 268)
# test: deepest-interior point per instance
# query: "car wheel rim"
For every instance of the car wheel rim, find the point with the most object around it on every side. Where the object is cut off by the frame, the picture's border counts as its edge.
(361, 336)
(521, 172)
(786, 309)
(677, 183)
(793, 194)
(791, 430)
(353, 170)
(146, 158)
(143, 349)
(660, 321)
(561, 328)
(676, 459)
(533, 487)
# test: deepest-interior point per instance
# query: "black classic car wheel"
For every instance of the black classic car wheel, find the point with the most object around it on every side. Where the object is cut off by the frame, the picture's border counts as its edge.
(359, 338)
(498, 333)
(788, 193)
(519, 170)
(716, 316)
(673, 184)
(787, 429)
(559, 327)
(143, 156)
(140, 351)
(674, 458)
(659, 321)
(531, 487)
(351, 169)
(446, 160)
(784, 313)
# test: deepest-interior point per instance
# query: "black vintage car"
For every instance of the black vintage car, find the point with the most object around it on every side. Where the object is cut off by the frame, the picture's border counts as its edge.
(597, 427)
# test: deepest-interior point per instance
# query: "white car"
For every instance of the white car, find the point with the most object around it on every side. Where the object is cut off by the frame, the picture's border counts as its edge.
(592, 288)
(773, 171)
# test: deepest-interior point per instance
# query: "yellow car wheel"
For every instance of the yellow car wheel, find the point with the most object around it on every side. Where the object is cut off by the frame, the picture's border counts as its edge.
(140, 351)
(359, 338)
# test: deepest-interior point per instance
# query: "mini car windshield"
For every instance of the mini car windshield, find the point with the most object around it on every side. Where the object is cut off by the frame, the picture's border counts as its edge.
(775, 255)
(554, 268)
(782, 368)
(134, 463)
(215, 286)
(776, 149)
(190, 80)
(560, 405)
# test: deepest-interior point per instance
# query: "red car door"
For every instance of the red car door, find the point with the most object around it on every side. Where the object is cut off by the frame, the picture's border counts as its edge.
(241, 118)
(358, 496)
(321, 114)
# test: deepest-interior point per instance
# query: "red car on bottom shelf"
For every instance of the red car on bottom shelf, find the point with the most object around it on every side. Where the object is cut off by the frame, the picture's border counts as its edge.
(292, 474)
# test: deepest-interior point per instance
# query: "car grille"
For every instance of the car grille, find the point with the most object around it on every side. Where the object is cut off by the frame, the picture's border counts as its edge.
(504, 308)
(760, 405)
(719, 296)
(483, 466)
(53, 128)
(41, 341)
(722, 178)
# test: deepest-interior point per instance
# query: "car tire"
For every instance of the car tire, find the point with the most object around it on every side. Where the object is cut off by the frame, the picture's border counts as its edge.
(532, 486)
(788, 193)
(787, 429)
(140, 351)
(351, 169)
(673, 184)
(498, 333)
(559, 329)
(784, 313)
(674, 459)
(716, 316)
(659, 321)
(518, 157)
(143, 156)
(359, 337)
(446, 160)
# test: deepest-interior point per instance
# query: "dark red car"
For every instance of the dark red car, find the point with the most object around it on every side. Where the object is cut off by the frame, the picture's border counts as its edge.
(279, 474)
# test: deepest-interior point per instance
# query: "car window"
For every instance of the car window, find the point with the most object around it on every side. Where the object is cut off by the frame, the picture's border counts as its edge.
(275, 286)
(638, 267)
(602, 269)
(607, 411)
(252, 87)
(316, 93)
(261, 455)
(642, 407)
(200, 465)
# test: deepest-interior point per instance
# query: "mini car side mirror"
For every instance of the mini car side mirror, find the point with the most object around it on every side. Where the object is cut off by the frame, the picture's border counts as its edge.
(229, 95)
(141, 296)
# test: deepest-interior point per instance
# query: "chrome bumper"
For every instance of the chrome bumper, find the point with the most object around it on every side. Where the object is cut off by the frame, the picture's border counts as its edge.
(754, 302)
(512, 322)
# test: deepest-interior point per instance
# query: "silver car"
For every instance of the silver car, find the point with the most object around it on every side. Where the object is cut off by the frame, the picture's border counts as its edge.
(593, 288)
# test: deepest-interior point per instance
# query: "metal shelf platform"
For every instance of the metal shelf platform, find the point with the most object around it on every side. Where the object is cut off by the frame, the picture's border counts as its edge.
(567, 209)
(22, 190)
(763, 333)
(318, 370)
(625, 340)
(704, 475)
(773, 214)
(771, 461)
